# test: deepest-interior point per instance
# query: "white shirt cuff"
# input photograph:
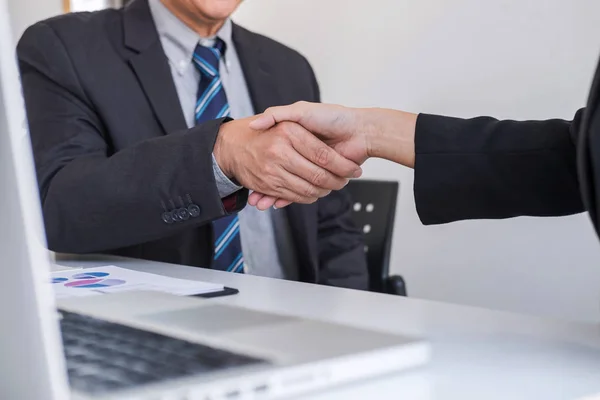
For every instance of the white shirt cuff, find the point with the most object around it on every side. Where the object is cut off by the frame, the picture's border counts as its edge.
(224, 185)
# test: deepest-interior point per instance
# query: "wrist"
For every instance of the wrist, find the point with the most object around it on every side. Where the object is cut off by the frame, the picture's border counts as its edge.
(392, 135)
(220, 150)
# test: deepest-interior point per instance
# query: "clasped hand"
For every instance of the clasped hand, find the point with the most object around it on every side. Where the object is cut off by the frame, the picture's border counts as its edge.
(344, 130)
(281, 162)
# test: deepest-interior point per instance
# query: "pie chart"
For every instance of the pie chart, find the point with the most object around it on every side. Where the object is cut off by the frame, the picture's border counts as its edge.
(93, 280)
(90, 275)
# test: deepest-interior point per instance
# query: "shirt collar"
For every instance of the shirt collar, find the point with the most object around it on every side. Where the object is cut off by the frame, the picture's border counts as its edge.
(181, 41)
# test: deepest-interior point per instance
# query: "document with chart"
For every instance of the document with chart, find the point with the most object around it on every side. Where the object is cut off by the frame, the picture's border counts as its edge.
(111, 279)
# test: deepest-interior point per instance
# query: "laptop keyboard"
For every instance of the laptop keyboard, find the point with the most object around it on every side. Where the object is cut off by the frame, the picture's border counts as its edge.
(103, 356)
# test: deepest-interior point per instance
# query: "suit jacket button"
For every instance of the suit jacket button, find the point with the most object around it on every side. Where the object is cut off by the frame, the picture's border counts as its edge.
(183, 214)
(194, 210)
(167, 218)
(175, 216)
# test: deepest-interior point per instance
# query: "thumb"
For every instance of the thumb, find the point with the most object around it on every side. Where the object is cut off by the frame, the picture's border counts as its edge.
(274, 115)
(262, 122)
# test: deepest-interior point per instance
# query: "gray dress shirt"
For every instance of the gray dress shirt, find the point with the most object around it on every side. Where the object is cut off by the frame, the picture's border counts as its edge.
(266, 236)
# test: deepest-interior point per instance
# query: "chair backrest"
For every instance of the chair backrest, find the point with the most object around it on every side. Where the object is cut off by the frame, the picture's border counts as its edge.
(374, 205)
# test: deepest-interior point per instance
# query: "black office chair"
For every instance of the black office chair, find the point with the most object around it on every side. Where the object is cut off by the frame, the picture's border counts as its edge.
(374, 204)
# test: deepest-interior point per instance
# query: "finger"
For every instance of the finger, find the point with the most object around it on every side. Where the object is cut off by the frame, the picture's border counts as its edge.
(281, 203)
(266, 202)
(315, 175)
(298, 190)
(254, 198)
(273, 115)
(263, 122)
(320, 154)
(263, 202)
(280, 183)
(288, 187)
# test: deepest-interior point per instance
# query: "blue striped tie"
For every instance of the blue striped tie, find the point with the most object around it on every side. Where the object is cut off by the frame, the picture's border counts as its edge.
(212, 104)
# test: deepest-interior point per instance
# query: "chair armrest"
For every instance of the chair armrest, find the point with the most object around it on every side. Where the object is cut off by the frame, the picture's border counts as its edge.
(395, 285)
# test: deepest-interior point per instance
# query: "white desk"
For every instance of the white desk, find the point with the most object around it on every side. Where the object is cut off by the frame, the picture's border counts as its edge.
(477, 353)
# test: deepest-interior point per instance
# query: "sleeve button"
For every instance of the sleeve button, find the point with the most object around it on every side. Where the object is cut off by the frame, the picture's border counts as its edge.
(175, 216)
(194, 210)
(183, 214)
(167, 218)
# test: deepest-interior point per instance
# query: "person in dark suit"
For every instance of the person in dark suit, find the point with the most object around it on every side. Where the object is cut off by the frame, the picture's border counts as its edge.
(468, 168)
(136, 153)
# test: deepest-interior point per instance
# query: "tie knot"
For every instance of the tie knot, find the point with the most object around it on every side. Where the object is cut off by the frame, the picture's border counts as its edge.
(207, 59)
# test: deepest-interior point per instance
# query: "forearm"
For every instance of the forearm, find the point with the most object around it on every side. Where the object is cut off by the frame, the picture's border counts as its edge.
(480, 167)
(94, 203)
(391, 135)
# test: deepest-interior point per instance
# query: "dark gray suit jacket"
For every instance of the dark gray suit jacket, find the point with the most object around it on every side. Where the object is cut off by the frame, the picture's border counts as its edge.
(113, 153)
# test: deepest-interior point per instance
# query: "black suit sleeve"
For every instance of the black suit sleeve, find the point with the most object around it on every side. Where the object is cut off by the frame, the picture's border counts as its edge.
(484, 168)
(94, 200)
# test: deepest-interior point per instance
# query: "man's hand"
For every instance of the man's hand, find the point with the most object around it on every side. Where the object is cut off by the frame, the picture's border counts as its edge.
(356, 134)
(285, 161)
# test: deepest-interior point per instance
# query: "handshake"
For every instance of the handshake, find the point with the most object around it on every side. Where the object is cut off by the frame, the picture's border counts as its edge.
(300, 153)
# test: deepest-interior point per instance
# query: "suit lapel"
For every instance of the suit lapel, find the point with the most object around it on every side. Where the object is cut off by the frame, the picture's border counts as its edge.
(151, 66)
(263, 89)
(265, 92)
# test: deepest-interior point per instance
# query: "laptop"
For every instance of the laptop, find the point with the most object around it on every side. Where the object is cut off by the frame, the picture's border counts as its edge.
(148, 345)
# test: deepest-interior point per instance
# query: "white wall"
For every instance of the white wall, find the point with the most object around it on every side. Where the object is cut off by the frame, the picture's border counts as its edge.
(26, 12)
(521, 59)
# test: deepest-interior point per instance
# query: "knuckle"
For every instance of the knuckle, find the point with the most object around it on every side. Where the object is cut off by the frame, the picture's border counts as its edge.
(280, 138)
(283, 143)
(278, 184)
(261, 186)
(269, 170)
(286, 128)
(319, 178)
(340, 184)
(323, 155)
(310, 191)
(274, 150)
(269, 155)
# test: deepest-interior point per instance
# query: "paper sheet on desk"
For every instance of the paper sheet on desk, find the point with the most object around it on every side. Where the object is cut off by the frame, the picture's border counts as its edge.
(111, 279)
(58, 268)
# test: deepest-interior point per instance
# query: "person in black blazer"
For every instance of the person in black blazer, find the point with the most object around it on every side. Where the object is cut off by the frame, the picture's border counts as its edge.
(121, 172)
(468, 168)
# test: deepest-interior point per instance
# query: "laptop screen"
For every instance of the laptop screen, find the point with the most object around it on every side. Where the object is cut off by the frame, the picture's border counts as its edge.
(29, 343)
